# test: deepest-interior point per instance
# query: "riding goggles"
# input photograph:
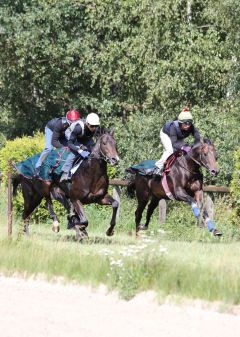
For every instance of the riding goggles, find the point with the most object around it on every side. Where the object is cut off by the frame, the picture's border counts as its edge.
(187, 122)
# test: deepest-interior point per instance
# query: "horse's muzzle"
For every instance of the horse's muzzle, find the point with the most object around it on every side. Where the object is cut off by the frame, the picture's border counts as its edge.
(114, 161)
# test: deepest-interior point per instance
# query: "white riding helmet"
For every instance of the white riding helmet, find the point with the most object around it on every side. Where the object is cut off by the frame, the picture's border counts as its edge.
(92, 119)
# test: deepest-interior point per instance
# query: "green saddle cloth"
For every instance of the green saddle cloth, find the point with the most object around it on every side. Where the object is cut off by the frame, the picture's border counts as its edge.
(52, 164)
(145, 167)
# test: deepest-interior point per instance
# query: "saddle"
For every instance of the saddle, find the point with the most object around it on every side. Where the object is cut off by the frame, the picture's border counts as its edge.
(147, 167)
(51, 165)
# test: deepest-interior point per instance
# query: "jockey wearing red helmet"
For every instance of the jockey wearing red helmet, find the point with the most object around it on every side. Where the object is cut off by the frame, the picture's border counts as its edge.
(55, 134)
(72, 116)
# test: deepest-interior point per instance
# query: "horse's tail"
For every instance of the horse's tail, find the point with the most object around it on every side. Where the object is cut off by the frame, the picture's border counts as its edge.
(131, 187)
(15, 182)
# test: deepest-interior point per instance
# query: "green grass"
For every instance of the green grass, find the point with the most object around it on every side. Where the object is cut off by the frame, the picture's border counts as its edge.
(178, 259)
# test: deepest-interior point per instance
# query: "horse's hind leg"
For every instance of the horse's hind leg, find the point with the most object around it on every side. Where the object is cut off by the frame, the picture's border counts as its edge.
(151, 207)
(30, 204)
(143, 194)
(49, 205)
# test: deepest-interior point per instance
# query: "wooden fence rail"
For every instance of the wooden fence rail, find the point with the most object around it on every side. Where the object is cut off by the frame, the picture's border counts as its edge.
(208, 200)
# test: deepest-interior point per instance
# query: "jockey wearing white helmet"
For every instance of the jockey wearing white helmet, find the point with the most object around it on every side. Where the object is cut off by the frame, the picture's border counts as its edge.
(80, 141)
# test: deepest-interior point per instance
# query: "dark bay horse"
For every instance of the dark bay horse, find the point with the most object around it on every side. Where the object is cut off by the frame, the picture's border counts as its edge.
(185, 182)
(89, 185)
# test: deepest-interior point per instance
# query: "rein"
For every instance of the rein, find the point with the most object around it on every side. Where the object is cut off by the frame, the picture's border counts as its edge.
(199, 163)
(193, 159)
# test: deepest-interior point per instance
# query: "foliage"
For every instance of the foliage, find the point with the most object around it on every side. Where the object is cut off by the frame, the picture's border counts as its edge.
(2, 140)
(114, 57)
(235, 187)
(19, 149)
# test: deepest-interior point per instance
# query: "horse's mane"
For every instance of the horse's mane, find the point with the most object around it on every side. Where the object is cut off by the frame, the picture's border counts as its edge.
(203, 140)
(100, 131)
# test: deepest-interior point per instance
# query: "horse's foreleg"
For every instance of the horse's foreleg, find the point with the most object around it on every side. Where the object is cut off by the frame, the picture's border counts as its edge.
(182, 195)
(209, 223)
(49, 205)
(198, 196)
(108, 200)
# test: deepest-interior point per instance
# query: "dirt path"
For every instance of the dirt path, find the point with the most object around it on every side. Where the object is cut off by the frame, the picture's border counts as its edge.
(37, 308)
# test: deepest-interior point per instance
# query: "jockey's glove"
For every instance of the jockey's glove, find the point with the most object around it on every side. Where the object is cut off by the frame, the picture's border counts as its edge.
(186, 148)
(83, 153)
(83, 147)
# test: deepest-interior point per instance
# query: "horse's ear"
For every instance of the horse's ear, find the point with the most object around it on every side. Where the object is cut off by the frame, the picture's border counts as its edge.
(112, 131)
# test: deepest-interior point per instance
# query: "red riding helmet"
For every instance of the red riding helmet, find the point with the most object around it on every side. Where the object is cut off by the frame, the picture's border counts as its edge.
(73, 115)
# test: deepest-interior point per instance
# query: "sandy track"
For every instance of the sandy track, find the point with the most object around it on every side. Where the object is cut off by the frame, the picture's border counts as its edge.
(36, 308)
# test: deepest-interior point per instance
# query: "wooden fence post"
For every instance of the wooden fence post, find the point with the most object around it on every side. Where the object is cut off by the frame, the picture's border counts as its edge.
(9, 198)
(162, 211)
(117, 196)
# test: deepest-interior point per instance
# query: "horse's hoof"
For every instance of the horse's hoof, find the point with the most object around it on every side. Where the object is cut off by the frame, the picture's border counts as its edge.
(56, 229)
(84, 233)
(142, 228)
(216, 232)
(81, 233)
(110, 232)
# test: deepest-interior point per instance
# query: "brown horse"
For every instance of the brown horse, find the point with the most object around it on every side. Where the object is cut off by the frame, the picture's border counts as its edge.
(185, 182)
(89, 185)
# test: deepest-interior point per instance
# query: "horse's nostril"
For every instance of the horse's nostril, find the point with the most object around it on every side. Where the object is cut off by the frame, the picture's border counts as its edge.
(114, 161)
(213, 172)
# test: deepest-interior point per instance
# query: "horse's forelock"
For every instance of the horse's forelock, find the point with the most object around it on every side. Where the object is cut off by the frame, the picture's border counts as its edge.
(207, 141)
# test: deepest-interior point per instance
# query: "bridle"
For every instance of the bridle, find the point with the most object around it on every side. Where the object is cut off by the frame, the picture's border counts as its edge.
(198, 162)
(100, 154)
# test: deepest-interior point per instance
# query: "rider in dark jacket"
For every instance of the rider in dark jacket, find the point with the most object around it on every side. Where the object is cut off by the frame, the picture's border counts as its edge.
(173, 136)
(80, 141)
(55, 134)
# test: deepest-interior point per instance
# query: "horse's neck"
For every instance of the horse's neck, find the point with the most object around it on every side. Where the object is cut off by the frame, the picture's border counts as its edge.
(96, 153)
(97, 165)
(188, 164)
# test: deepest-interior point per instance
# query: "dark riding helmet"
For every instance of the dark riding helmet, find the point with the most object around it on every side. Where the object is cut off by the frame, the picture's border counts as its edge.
(72, 115)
